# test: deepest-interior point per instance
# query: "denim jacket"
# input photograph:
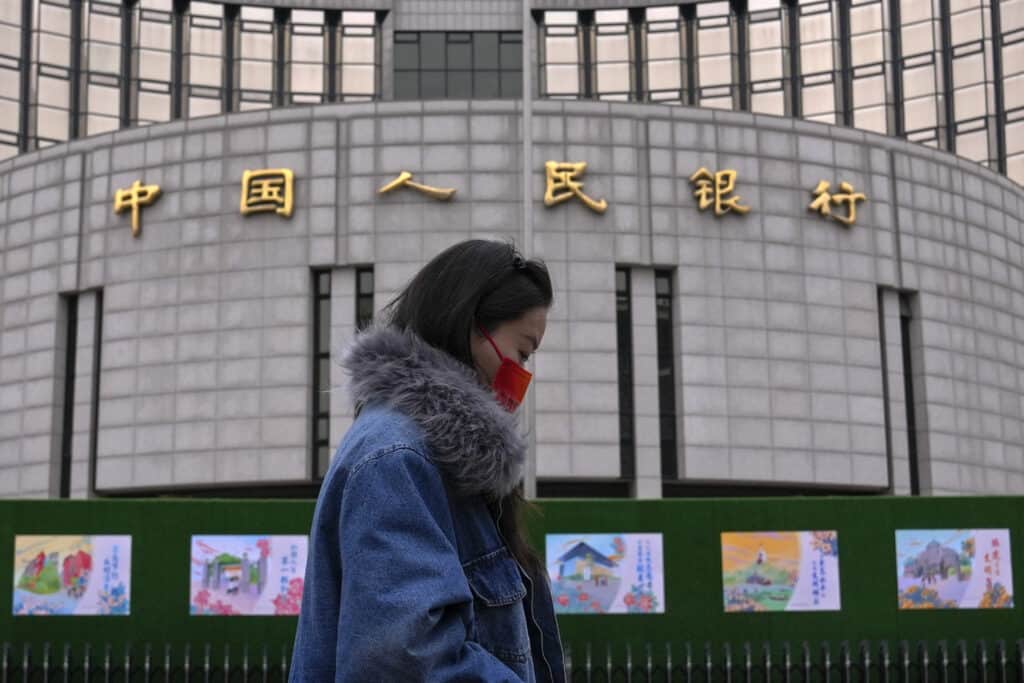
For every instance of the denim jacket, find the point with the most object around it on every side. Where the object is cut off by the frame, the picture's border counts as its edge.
(408, 577)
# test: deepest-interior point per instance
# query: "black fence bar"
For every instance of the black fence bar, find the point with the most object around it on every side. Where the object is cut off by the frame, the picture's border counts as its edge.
(999, 661)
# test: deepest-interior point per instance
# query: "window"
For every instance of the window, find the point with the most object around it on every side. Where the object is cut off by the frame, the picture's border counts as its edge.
(307, 59)
(321, 409)
(364, 297)
(666, 373)
(101, 67)
(562, 66)
(972, 88)
(613, 62)
(50, 113)
(1012, 28)
(819, 68)
(624, 330)
(921, 69)
(769, 58)
(204, 61)
(152, 62)
(255, 59)
(665, 55)
(10, 77)
(716, 55)
(869, 65)
(69, 311)
(435, 65)
(909, 331)
(358, 62)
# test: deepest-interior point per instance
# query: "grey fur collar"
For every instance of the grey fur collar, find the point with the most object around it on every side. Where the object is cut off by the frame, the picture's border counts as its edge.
(473, 440)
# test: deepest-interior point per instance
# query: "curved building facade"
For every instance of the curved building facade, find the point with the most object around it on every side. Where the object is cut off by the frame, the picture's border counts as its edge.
(746, 299)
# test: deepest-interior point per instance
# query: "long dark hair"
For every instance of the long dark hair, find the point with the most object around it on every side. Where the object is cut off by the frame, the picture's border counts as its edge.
(476, 283)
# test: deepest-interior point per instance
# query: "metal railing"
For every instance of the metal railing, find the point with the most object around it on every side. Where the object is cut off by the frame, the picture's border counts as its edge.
(863, 662)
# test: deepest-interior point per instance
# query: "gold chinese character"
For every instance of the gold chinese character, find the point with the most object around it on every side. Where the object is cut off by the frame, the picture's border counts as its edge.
(719, 185)
(562, 187)
(847, 196)
(135, 196)
(269, 189)
(404, 179)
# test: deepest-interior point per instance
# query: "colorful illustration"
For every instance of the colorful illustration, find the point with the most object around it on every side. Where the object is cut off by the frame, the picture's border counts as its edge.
(954, 569)
(247, 575)
(606, 573)
(72, 575)
(780, 571)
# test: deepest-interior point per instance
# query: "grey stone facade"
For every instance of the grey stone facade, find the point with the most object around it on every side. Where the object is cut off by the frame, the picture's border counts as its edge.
(788, 349)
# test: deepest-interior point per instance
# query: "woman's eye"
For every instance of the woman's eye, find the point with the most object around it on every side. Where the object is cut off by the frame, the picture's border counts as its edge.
(523, 358)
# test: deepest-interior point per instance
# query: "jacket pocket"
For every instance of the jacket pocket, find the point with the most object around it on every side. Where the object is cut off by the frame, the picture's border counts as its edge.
(499, 616)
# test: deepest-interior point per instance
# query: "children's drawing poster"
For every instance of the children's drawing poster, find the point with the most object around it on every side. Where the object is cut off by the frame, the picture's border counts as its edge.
(72, 575)
(606, 573)
(780, 571)
(954, 569)
(247, 575)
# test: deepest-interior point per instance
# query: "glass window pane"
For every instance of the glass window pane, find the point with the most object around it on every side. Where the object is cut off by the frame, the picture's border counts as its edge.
(407, 85)
(432, 51)
(485, 50)
(432, 85)
(152, 35)
(511, 84)
(486, 85)
(460, 51)
(460, 84)
(101, 67)
(307, 57)
(511, 55)
(203, 58)
(407, 54)
(50, 73)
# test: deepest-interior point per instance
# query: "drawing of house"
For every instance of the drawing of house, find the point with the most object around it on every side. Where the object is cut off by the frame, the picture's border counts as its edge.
(585, 563)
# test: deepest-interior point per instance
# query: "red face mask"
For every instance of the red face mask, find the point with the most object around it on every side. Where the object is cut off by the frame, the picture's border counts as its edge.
(511, 380)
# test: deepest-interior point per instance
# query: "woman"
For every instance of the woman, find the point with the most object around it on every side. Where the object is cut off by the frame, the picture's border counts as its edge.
(418, 566)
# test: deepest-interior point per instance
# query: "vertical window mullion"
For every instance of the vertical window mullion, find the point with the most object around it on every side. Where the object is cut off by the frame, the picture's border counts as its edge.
(320, 412)
(997, 78)
(75, 101)
(332, 19)
(364, 297)
(624, 330)
(281, 43)
(637, 36)
(231, 78)
(97, 371)
(586, 27)
(666, 373)
(178, 27)
(68, 414)
(25, 82)
(126, 65)
(741, 55)
(948, 125)
(793, 34)
(844, 91)
(898, 127)
(690, 43)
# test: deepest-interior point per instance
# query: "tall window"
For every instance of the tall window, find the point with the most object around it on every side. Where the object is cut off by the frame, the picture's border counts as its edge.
(434, 65)
(101, 67)
(204, 60)
(909, 330)
(666, 373)
(50, 115)
(307, 58)
(624, 330)
(364, 297)
(321, 409)
(1012, 27)
(152, 61)
(716, 56)
(10, 77)
(563, 56)
(358, 60)
(255, 60)
(973, 89)
(769, 58)
(613, 55)
(922, 72)
(69, 309)
(664, 55)
(870, 67)
(819, 60)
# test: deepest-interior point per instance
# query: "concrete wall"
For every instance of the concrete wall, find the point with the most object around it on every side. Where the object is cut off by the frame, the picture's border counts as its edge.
(206, 321)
